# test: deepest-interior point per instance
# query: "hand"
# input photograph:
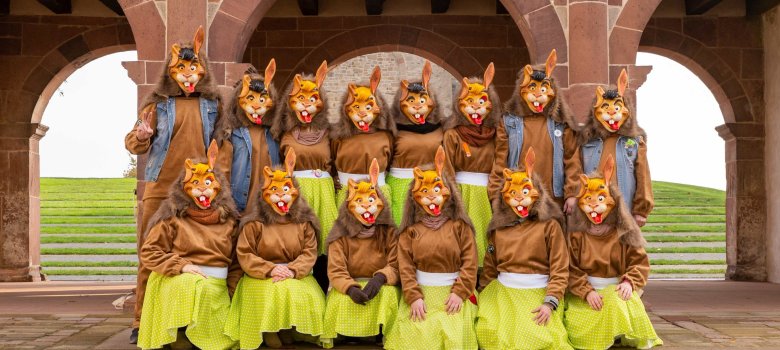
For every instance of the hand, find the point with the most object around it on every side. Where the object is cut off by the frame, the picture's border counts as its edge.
(543, 313)
(357, 295)
(193, 269)
(454, 303)
(640, 220)
(594, 300)
(624, 290)
(144, 131)
(374, 285)
(569, 205)
(281, 273)
(418, 310)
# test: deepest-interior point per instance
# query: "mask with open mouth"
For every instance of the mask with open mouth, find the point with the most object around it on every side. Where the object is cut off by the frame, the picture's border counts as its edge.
(305, 99)
(255, 97)
(200, 183)
(474, 101)
(595, 199)
(278, 189)
(416, 102)
(536, 88)
(185, 67)
(362, 106)
(363, 201)
(610, 108)
(429, 190)
(519, 192)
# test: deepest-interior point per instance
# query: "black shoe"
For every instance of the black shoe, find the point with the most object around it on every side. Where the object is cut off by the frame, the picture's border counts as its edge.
(134, 336)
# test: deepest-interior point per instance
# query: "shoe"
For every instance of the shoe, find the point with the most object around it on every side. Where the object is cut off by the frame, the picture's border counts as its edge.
(134, 336)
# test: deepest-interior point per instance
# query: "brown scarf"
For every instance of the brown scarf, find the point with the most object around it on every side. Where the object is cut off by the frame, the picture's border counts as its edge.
(308, 138)
(599, 230)
(434, 222)
(203, 216)
(367, 232)
(476, 136)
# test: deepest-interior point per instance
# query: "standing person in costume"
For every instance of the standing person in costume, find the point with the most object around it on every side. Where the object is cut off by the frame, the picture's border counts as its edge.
(419, 135)
(190, 248)
(608, 266)
(437, 262)
(362, 265)
(364, 132)
(277, 248)
(246, 142)
(470, 145)
(176, 122)
(612, 131)
(303, 126)
(536, 117)
(526, 268)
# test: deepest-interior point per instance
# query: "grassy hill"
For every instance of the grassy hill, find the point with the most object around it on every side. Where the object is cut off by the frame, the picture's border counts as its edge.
(88, 230)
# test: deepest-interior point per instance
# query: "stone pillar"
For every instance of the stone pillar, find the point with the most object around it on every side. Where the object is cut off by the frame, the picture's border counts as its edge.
(771, 24)
(588, 53)
(745, 201)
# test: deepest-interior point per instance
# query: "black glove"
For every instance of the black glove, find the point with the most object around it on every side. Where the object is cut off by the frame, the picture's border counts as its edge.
(374, 284)
(357, 295)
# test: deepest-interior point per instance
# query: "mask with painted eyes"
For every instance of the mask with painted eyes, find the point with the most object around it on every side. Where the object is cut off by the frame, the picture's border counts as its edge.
(199, 181)
(537, 89)
(519, 192)
(362, 106)
(610, 109)
(595, 199)
(305, 99)
(255, 98)
(416, 102)
(278, 189)
(185, 68)
(474, 102)
(363, 200)
(429, 190)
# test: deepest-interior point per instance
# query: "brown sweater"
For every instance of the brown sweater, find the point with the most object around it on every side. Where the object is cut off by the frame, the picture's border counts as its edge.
(316, 156)
(351, 257)
(604, 256)
(261, 247)
(354, 154)
(413, 149)
(535, 135)
(480, 161)
(643, 197)
(449, 249)
(531, 247)
(180, 241)
(260, 158)
(186, 142)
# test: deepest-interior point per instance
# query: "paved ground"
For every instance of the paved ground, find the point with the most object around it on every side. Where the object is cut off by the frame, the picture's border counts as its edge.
(686, 314)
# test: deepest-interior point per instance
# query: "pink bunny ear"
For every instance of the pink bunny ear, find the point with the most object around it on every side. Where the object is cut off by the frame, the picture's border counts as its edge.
(373, 172)
(622, 82)
(270, 71)
(322, 71)
(212, 153)
(490, 72)
(289, 162)
(197, 42)
(609, 169)
(530, 159)
(376, 76)
(439, 160)
(552, 60)
(426, 74)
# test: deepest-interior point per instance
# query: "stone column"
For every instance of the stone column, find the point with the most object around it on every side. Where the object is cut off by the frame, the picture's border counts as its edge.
(772, 157)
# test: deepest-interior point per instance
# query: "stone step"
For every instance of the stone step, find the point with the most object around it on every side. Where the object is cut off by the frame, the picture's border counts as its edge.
(88, 225)
(128, 278)
(687, 276)
(689, 267)
(95, 258)
(687, 256)
(89, 245)
(96, 268)
(685, 223)
(685, 244)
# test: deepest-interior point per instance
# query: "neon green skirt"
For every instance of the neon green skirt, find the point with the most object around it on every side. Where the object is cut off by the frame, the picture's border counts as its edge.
(400, 191)
(505, 320)
(627, 320)
(260, 306)
(321, 197)
(439, 330)
(344, 317)
(477, 206)
(187, 300)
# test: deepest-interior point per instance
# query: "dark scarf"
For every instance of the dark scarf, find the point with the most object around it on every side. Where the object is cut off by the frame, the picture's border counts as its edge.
(308, 138)
(476, 136)
(366, 232)
(418, 128)
(434, 222)
(203, 216)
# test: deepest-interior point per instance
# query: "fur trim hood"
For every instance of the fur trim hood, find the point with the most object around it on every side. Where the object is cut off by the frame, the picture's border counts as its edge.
(344, 128)
(166, 87)
(543, 209)
(452, 209)
(347, 225)
(558, 110)
(593, 129)
(490, 121)
(284, 118)
(235, 117)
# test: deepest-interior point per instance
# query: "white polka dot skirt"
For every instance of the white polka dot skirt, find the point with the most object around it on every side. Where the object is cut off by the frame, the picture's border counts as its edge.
(477, 206)
(344, 317)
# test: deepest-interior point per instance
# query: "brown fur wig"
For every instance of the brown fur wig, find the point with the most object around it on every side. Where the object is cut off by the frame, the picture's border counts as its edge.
(436, 116)
(557, 110)
(620, 218)
(452, 209)
(285, 120)
(236, 117)
(490, 121)
(347, 225)
(543, 209)
(593, 129)
(166, 87)
(177, 202)
(344, 128)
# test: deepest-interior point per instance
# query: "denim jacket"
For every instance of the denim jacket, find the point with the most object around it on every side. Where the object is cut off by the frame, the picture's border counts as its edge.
(241, 168)
(514, 131)
(625, 154)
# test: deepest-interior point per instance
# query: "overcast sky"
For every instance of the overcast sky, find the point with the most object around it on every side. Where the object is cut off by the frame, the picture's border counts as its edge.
(95, 108)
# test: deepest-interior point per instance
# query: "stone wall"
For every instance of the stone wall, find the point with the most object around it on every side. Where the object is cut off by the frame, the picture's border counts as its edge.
(771, 24)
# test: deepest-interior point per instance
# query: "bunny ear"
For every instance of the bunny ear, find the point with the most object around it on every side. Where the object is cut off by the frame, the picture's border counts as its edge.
(426, 74)
(213, 152)
(376, 76)
(245, 82)
(464, 88)
(321, 73)
(583, 185)
(197, 42)
(609, 168)
(552, 60)
(268, 176)
(527, 71)
(373, 172)
(507, 180)
(175, 50)
(599, 96)
(404, 89)
(289, 162)
(530, 159)
(270, 71)
(189, 168)
(622, 82)
(439, 160)
(296, 85)
(489, 73)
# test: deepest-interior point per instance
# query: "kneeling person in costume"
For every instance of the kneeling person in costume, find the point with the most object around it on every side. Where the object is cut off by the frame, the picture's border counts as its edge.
(526, 268)
(190, 249)
(277, 248)
(437, 262)
(608, 265)
(362, 265)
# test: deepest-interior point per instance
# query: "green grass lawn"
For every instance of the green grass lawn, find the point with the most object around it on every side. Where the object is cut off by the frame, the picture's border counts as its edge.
(87, 220)
(87, 229)
(89, 239)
